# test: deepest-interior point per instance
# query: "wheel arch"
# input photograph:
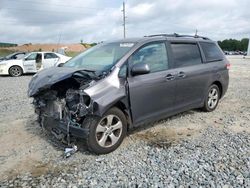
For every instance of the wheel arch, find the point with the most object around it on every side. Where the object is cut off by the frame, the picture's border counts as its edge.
(218, 83)
(124, 108)
(122, 105)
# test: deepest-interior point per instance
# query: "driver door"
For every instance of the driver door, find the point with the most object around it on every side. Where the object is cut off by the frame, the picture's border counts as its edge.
(29, 62)
(151, 95)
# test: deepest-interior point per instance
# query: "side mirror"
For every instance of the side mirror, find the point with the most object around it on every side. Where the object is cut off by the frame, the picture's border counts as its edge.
(60, 64)
(140, 68)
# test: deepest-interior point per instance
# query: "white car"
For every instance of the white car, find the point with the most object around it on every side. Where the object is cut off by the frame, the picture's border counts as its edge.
(31, 63)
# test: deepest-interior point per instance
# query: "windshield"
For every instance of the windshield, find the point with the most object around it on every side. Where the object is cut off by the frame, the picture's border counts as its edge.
(9, 56)
(15, 56)
(100, 58)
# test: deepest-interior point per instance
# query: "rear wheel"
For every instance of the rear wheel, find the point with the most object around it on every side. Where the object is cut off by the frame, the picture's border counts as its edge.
(106, 133)
(212, 98)
(15, 71)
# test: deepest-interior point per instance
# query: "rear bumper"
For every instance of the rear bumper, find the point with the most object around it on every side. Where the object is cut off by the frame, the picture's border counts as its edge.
(225, 83)
(61, 127)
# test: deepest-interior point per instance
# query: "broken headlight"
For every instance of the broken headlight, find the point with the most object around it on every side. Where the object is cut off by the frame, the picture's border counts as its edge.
(77, 102)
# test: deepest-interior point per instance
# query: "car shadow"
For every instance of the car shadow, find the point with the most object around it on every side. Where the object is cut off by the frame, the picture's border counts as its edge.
(146, 126)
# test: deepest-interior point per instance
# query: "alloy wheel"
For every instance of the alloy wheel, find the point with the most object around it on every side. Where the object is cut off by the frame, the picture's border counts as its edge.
(213, 97)
(109, 131)
(15, 71)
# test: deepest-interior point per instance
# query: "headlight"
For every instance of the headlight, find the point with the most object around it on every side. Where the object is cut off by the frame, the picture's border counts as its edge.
(2, 66)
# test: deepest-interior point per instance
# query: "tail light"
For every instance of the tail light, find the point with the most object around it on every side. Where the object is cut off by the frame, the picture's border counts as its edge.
(228, 65)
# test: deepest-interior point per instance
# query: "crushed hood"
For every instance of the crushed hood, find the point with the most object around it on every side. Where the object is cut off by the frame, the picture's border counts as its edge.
(46, 78)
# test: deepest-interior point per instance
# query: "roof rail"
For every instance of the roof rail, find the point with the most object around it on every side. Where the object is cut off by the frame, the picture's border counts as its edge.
(177, 35)
(163, 35)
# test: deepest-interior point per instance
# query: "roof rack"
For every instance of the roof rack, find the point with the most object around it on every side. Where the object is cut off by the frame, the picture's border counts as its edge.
(177, 35)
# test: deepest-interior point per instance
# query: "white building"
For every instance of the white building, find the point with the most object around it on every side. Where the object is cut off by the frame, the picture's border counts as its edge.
(248, 49)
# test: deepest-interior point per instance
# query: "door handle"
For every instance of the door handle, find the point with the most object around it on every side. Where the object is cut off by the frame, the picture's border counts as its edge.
(181, 75)
(170, 77)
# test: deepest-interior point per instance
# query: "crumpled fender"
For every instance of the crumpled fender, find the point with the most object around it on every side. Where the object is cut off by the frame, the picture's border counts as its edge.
(106, 92)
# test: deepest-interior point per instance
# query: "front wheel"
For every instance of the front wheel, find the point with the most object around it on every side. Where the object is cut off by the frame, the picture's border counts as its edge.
(15, 71)
(212, 98)
(106, 133)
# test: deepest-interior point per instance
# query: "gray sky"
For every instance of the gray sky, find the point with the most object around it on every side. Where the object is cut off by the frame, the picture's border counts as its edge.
(36, 21)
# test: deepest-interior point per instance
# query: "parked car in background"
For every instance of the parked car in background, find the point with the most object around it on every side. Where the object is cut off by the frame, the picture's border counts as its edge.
(113, 87)
(16, 55)
(31, 63)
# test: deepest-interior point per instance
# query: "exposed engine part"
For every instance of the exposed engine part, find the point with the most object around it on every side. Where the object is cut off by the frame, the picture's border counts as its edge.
(78, 102)
(68, 136)
(54, 109)
(69, 107)
(58, 135)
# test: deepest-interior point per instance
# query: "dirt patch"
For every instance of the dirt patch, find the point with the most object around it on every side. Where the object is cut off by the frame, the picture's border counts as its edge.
(165, 137)
(19, 142)
(30, 165)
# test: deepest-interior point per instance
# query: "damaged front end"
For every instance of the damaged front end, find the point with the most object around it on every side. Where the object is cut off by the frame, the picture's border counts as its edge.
(60, 101)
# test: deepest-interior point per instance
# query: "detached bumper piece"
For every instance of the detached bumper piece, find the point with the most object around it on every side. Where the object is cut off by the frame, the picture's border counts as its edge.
(59, 127)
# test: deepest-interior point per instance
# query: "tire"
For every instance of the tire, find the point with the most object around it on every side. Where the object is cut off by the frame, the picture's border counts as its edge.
(107, 133)
(212, 98)
(15, 71)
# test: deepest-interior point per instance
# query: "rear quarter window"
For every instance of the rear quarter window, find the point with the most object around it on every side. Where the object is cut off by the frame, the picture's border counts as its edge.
(211, 51)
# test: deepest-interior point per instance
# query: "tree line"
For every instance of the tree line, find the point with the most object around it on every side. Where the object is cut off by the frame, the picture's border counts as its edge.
(234, 45)
(3, 44)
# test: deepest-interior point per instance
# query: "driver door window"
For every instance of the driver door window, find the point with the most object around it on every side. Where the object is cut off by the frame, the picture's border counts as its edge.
(153, 54)
(31, 57)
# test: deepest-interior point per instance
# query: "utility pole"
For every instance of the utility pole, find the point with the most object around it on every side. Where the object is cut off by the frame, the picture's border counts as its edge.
(59, 40)
(124, 20)
(196, 32)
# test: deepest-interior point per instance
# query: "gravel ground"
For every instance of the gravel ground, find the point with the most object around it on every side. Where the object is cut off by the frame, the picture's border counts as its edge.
(194, 148)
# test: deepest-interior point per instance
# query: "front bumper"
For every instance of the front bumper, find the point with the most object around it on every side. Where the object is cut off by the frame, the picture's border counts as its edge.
(3, 70)
(51, 124)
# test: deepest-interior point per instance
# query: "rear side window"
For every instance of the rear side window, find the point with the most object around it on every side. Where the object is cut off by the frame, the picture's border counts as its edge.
(211, 51)
(185, 54)
(50, 56)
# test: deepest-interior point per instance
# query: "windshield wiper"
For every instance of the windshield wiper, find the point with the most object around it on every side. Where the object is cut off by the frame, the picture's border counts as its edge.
(88, 70)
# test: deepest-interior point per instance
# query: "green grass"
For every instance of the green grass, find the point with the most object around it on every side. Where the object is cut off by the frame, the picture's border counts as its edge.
(4, 52)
